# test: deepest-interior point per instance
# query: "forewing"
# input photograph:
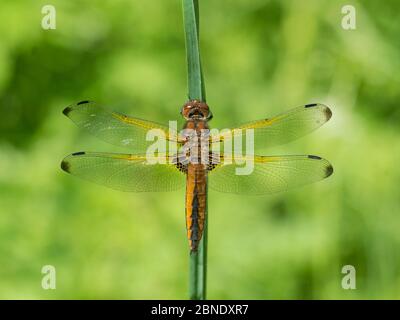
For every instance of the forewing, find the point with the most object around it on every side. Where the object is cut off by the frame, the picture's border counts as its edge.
(116, 128)
(283, 128)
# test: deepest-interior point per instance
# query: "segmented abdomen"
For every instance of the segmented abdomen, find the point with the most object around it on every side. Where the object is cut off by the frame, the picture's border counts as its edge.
(196, 186)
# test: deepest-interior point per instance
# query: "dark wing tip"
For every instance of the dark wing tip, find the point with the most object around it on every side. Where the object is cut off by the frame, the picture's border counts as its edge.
(328, 113)
(65, 165)
(328, 170)
(78, 153)
(82, 102)
(67, 110)
(311, 105)
(326, 110)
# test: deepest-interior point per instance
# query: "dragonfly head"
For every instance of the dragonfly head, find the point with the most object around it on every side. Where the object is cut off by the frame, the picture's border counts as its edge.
(195, 109)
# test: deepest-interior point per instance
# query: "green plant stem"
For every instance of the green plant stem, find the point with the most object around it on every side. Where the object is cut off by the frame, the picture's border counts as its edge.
(196, 88)
(195, 74)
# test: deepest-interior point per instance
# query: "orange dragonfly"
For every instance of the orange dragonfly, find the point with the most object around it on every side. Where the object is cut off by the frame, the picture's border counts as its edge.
(134, 172)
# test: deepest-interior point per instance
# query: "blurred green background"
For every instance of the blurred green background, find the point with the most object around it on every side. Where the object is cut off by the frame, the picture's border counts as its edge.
(260, 58)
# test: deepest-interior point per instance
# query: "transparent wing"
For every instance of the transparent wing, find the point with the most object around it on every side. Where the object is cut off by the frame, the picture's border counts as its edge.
(115, 128)
(283, 128)
(124, 171)
(269, 174)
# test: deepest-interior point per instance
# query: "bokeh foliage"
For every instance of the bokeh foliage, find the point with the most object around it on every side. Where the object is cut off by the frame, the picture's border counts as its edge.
(260, 57)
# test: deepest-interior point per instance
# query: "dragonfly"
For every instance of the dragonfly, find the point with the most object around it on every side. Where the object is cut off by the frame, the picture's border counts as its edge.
(135, 173)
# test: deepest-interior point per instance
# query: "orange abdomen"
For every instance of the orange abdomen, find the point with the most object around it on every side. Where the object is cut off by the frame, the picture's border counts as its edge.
(196, 187)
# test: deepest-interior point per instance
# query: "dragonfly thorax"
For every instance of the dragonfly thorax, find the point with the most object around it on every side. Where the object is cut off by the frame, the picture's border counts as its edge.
(195, 149)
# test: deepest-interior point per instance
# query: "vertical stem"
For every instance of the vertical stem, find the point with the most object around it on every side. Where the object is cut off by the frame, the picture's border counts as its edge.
(196, 88)
(195, 74)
